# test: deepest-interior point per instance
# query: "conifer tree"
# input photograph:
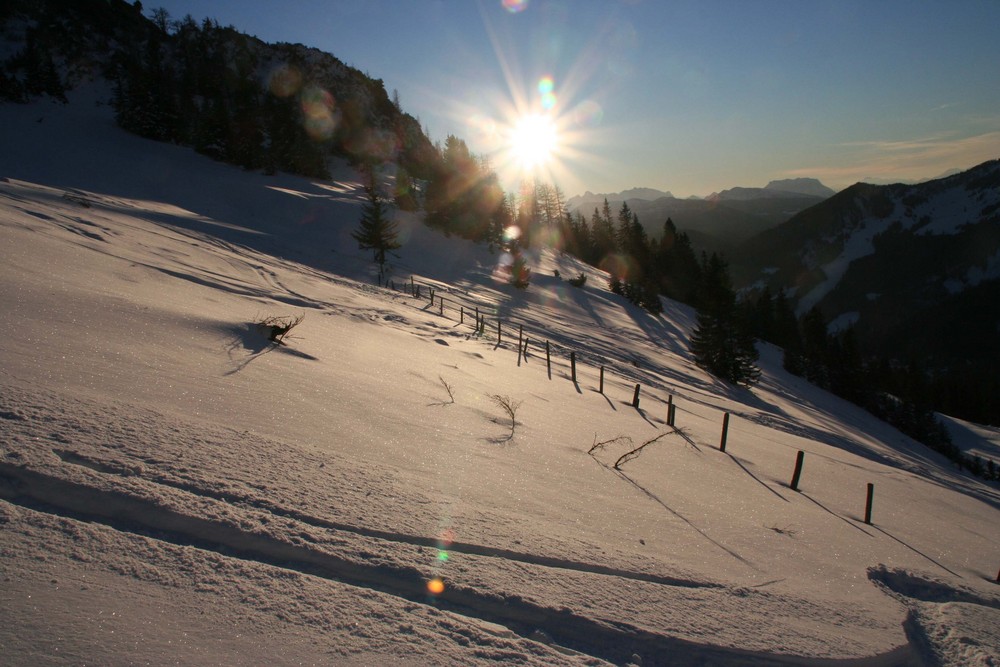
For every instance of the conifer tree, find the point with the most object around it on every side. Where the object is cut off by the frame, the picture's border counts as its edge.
(675, 265)
(602, 234)
(722, 342)
(376, 231)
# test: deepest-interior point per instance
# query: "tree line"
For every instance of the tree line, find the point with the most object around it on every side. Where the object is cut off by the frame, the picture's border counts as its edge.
(902, 394)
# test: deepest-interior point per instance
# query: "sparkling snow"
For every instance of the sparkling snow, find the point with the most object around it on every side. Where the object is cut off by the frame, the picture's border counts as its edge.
(176, 490)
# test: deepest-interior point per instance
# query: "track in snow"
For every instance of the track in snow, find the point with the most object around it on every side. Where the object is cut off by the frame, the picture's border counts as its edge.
(615, 642)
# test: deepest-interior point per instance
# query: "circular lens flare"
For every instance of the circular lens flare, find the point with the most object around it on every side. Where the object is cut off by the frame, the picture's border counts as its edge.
(435, 586)
(546, 88)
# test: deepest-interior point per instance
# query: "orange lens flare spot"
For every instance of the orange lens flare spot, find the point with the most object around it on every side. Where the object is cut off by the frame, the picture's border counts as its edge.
(435, 587)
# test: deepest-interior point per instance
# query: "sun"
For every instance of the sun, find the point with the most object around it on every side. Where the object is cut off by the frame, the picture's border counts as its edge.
(533, 140)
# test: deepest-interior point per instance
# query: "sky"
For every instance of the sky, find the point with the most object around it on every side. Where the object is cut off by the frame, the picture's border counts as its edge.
(686, 97)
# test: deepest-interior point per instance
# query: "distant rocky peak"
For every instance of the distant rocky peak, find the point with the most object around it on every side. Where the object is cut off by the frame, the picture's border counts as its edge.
(802, 186)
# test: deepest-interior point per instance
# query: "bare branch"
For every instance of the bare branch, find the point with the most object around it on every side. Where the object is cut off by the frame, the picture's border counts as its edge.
(628, 456)
(449, 389)
(509, 406)
(613, 441)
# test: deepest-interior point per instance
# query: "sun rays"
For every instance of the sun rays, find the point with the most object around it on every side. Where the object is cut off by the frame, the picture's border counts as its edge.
(536, 120)
(533, 140)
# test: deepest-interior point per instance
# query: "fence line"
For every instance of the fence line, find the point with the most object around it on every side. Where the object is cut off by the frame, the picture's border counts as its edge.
(457, 304)
(479, 327)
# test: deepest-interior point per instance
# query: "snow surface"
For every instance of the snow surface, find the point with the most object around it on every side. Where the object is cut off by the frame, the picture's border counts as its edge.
(174, 489)
(944, 212)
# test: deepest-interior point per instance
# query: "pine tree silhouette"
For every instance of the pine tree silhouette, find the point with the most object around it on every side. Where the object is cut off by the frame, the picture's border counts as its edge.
(376, 231)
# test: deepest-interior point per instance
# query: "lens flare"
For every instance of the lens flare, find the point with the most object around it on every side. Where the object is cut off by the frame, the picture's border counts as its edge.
(620, 265)
(446, 537)
(588, 114)
(546, 87)
(485, 131)
(318, 109)
(435, 586)
(284, 80)
(515, 6)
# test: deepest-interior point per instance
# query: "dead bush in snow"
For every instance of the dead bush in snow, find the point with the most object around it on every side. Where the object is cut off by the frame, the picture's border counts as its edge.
(509, 406)
(277, 327)
(448, 388)
(597, 446)
(628, 456)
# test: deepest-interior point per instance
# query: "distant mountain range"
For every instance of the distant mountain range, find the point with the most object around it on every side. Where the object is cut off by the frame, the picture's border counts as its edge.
(784, 189)
(717, 222)
(902, 263)
(914, 267)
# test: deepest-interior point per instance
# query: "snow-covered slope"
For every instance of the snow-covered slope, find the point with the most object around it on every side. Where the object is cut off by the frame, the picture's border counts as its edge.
(915, 268)
(951, 207)
(175, 489)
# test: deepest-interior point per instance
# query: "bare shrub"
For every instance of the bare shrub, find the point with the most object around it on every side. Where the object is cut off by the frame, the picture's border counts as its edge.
(628, 456)
(597, 446)
(278, 326)
(509, 406)
(448, 388)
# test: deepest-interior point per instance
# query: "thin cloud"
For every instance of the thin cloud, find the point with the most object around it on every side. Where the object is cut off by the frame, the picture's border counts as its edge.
(908, 160)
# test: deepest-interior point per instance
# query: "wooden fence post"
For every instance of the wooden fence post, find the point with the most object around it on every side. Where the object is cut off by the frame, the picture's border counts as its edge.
(461, 315)
(868, 504)
(671, 412)
(441, 306)
(413, 288)
(601, 389)
(572, 365)
(798, 470)
(520, 342)
(499, 334)
(725, 432)
(548, 359)
(635, 397)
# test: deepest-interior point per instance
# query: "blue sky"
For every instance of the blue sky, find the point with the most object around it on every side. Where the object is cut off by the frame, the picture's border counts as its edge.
(690, 97)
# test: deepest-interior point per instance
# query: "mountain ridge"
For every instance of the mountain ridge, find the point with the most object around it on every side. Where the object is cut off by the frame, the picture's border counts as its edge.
(880, 256)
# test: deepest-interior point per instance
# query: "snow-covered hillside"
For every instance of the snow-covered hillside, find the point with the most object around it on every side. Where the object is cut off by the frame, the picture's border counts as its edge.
(948, 207)
(174, 489)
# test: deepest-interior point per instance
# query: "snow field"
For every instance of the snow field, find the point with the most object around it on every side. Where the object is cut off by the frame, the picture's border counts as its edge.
(160, 461)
